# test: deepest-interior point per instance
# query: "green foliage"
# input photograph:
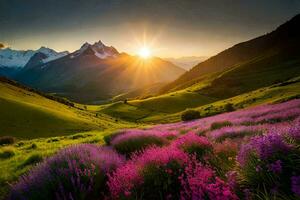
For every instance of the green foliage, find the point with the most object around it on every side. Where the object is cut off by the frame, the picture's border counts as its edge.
(198, 150)
(7, 140)
(224, 158)
(183, 131)
(190, 115)
(53, 140)
(156, 179)
(257, 174)
(229, 107)
(131, 145)
(218, 125)
(33, 159)
(78, 136)
(7, 153)
(33, 146)
(237, 135)
(222, 164)
(19, 144)
(108, 138)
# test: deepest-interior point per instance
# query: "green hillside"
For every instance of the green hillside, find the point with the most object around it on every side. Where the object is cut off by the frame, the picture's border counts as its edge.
(26, 114)
(137, 110)
(168, 108)
(259, 72)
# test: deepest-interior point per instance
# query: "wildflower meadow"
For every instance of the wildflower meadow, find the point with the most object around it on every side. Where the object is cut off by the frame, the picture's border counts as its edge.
(247, 154)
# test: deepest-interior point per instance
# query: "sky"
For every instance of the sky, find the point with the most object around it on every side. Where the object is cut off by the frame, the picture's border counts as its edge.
(170, 28)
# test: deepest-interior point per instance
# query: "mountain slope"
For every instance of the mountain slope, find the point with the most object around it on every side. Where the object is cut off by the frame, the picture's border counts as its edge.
(260, 72)
(286, 38)
(26, 114)
(97, 72)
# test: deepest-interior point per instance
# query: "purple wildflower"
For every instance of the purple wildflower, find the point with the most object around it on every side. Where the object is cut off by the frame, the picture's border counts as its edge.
(296, 185)
(294, 131)
(72, 173)
(199, 182)
(264, 146)
(130, 176)
(132, 134)
(190, 140)
(276, 167)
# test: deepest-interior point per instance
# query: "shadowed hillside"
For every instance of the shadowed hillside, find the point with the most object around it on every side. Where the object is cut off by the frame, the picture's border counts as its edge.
(284, 40)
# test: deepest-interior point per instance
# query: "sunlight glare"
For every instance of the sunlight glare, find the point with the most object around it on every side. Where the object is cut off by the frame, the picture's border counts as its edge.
(144, 52)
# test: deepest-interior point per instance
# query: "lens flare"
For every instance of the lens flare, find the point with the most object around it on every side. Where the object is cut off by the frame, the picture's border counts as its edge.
(144, 52)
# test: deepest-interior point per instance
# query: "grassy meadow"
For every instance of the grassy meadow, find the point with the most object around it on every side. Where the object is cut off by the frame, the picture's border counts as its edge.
(43, 126)
(212, 140)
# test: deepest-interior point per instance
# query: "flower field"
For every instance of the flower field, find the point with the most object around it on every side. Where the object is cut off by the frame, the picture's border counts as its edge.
(248, 154)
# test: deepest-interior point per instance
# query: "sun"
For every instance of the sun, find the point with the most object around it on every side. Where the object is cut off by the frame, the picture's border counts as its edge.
(144, 53)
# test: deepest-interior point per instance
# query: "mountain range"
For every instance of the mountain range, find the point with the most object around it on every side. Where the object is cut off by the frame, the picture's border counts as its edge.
(93, 73)
(19, 58)
(12, 61)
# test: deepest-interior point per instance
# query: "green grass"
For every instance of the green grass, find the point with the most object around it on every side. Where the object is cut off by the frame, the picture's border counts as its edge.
(218, 125)
(25, 114)
(138, 110)
(168, 108)
(272, 94)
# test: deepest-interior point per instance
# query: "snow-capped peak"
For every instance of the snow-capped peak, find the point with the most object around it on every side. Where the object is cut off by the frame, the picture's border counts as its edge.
(85, 45)
(99, 49)
(19, 58)
(98, 44)
(51, 54)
